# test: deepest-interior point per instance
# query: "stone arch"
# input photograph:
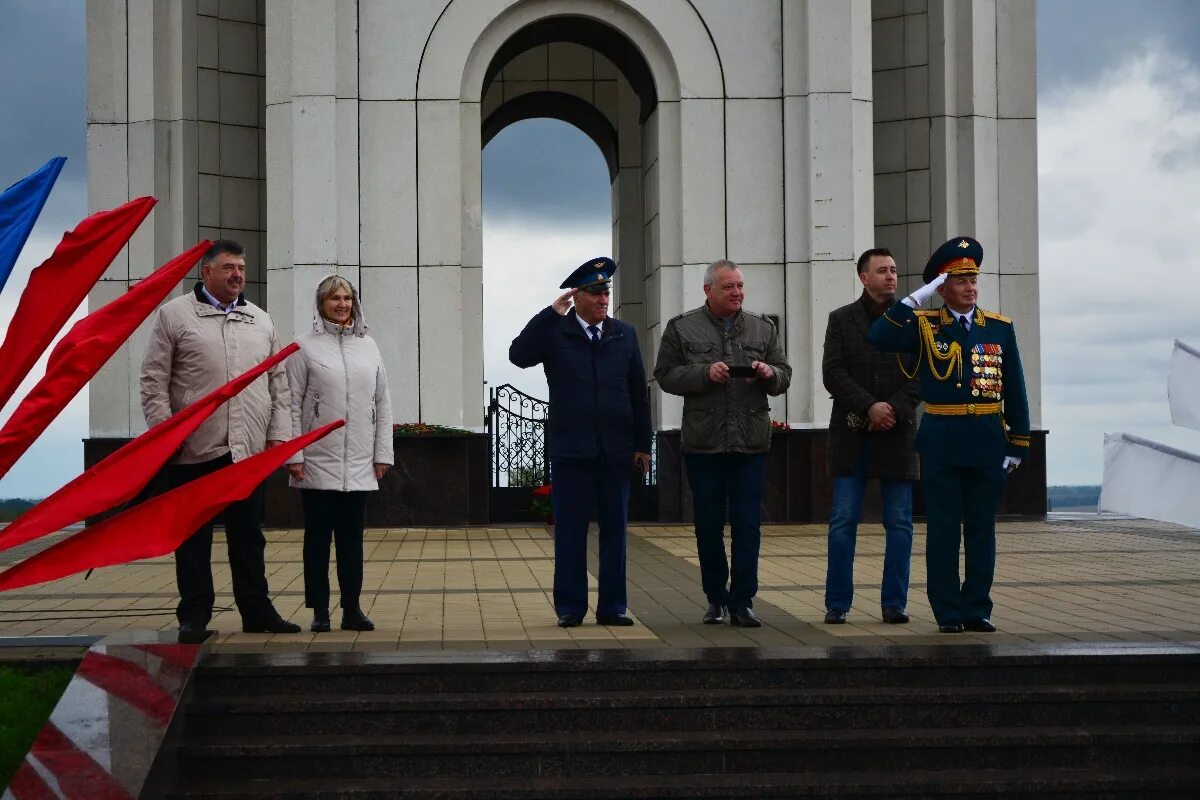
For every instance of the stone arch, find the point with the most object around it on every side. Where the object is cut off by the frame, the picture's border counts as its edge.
(561, 106)
(669, 34)
(665, 53)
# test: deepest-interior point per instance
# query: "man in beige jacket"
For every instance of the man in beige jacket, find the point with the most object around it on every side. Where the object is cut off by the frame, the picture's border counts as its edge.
(198, 343)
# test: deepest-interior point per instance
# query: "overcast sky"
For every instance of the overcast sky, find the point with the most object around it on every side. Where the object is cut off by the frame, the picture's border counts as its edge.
(1119, 164)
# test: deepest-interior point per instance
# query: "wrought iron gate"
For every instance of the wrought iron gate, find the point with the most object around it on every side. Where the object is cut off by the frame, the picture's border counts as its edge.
(516, 424)
(517, 431)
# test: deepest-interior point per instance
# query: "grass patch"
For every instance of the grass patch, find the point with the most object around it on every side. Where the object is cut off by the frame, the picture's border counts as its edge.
(27, 696)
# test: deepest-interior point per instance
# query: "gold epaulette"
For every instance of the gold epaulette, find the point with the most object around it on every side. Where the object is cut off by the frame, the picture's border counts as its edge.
(994, 315)
(923, 313)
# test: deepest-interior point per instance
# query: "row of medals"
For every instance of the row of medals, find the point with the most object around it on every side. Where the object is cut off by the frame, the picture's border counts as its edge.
(985, 379)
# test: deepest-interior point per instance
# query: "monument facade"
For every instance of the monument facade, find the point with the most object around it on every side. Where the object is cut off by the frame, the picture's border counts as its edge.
(345, 136)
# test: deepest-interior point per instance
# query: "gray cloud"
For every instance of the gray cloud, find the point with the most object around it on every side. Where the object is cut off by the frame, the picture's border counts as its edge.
(43, 57)
(1116, 281)
(546, 170)
(1077, 40)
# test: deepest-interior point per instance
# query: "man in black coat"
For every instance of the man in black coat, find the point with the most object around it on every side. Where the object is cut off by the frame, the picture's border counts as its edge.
(871, 435)
(599, 425)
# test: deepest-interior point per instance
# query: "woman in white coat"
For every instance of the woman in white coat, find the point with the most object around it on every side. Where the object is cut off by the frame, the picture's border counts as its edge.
(338, 374)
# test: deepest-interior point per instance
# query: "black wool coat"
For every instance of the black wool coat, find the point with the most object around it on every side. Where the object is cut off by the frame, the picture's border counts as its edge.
(858, 375)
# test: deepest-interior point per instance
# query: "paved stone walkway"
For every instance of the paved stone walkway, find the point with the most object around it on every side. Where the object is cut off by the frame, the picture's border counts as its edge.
(1087, 579)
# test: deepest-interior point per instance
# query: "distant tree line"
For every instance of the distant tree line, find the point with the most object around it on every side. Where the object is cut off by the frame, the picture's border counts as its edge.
(13, 507)
(1072, 497)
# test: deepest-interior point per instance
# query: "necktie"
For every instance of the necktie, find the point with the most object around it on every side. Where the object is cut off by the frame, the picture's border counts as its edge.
(963, 321)
(594, 332)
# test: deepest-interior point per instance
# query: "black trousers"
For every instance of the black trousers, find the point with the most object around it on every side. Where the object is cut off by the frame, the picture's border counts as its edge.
(246, 545)
(340, 516)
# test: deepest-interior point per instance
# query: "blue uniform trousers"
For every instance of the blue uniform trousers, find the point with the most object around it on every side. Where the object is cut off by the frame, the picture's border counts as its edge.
(579, 486)
(728, 485)
(961, 502)
(843, 532)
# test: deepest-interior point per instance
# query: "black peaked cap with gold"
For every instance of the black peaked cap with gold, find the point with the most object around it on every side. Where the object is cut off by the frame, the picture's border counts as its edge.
(962, 255)
(592, 276)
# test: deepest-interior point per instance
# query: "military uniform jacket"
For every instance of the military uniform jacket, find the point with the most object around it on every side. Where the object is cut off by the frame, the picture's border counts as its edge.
(962, 371)
(599, 405)
(858, 375)
(733, 417)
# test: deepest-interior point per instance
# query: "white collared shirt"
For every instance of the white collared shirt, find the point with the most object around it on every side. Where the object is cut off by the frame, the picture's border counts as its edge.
(967, 318)
(585, 326)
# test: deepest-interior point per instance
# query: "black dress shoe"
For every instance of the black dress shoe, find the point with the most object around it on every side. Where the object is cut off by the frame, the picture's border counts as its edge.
(835, 616)
(320, 623)
(569, 620)
(613, 619)
(277, 625)
(744, 618)
(353, 619)
(192, 632)
(894, 616)
(715, 614)
(950, 627)
(980, 625)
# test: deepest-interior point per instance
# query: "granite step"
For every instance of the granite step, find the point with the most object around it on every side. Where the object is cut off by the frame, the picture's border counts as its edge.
(254, 675)
(666, 753)
(707, 710)
(1011, 784)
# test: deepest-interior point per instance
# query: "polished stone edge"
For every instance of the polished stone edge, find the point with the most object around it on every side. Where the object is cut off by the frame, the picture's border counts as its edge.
(108, 730)
(48, 641)
(708, 658)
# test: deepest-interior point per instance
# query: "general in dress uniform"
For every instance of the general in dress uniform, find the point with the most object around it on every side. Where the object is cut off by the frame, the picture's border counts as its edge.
(975, 429)
(599, 426)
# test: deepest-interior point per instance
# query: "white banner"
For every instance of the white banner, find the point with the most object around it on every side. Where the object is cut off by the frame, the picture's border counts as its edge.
(1183, 386)
(1143, 478)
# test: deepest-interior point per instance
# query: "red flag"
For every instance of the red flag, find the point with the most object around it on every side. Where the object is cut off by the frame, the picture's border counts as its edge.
(157, 526)
(122, 475)
(60, 284)
(81, 353)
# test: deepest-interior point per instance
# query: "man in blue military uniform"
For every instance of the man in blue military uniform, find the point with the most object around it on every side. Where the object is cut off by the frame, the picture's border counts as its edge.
(975, 430)
(599, 426)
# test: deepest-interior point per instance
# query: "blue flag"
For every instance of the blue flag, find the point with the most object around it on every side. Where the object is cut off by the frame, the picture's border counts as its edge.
(19, 208)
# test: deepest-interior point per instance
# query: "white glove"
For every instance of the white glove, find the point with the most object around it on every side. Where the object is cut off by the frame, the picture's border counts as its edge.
(1010, 463)
(925, 292)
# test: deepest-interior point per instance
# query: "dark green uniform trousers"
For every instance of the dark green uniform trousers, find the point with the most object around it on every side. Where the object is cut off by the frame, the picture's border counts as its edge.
(960, 503)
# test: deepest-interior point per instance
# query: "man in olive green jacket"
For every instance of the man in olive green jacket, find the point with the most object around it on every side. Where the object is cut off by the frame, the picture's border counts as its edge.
(724, 362)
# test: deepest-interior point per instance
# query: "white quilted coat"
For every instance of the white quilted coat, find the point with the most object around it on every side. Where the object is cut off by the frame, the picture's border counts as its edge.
(339, 374)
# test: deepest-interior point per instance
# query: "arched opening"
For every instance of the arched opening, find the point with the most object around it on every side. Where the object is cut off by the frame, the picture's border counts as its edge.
(567, 120)
(584, 73)
(546, 209)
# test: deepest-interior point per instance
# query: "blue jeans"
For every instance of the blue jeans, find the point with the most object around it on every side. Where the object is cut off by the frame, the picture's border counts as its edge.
(728, 485)
(843, 531)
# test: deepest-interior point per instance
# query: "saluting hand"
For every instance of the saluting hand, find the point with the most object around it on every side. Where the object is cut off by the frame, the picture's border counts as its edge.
(563, 304)
(718, 372)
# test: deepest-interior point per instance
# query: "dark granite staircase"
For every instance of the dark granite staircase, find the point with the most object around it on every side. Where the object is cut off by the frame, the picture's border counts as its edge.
(960, 721)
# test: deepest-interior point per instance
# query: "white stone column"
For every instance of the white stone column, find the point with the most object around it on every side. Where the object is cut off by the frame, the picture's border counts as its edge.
(312, 153)
(983, 146)
(142, 140)
(629, 241)
(828, 182)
